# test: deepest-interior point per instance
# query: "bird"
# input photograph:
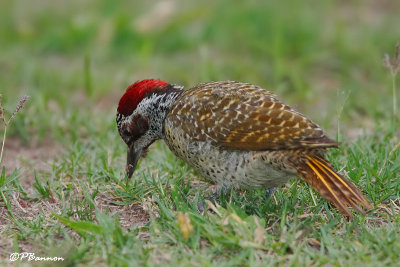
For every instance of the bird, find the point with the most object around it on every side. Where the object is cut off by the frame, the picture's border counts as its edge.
(235, 134)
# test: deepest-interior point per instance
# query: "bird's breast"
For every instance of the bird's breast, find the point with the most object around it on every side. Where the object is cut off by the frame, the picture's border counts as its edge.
(229, 168)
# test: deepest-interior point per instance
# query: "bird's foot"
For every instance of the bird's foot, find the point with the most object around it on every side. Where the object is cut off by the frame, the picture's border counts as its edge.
(269, 192)
(212, 198)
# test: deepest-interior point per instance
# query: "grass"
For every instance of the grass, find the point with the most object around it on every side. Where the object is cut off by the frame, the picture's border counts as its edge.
(63, 189)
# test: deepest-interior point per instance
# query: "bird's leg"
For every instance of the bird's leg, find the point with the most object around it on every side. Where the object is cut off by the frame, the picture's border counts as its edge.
(269, 192)
(212, 198)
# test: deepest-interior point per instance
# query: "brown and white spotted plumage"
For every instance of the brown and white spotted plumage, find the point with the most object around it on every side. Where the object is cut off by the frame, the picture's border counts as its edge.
(236, 134)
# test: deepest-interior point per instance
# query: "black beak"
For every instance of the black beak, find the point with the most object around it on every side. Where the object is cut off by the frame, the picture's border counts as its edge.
(132, 160)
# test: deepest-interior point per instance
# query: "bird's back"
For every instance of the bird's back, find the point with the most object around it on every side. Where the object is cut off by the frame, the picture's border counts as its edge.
(241, 116)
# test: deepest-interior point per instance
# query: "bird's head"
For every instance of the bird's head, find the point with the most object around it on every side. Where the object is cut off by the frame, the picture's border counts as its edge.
(140, 115)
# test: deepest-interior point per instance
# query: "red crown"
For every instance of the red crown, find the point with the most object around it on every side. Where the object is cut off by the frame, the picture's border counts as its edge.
(136, 92)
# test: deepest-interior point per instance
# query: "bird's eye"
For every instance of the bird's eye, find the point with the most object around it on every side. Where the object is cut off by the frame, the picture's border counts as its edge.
(125, 132)
(134, 129)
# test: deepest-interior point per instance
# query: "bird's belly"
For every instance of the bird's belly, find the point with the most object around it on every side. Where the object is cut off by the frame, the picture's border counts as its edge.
(231, 168)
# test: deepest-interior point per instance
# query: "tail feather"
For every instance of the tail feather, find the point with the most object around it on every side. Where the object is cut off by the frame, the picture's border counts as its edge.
(332, 186)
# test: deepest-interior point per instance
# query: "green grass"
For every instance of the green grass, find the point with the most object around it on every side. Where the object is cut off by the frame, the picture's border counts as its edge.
(68, 195)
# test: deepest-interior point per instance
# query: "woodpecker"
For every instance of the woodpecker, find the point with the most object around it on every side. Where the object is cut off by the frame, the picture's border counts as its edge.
(237, 135)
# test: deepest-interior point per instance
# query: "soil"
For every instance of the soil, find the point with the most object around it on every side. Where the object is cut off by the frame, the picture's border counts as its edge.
(28, 158)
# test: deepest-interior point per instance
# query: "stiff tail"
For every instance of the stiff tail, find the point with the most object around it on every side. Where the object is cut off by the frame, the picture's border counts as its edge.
(332, 186)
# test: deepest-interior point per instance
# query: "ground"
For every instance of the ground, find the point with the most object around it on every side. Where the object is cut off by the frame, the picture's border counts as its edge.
(64, 192)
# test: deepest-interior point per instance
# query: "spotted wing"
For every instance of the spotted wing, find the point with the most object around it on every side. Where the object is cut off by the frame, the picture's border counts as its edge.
(242, 116)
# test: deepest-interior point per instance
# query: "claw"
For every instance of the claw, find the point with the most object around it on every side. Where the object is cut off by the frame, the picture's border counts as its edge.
(269, 192)
(212, 198)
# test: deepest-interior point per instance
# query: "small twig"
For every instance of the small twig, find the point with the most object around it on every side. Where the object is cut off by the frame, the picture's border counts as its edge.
(2, 144)
(51, 195)
(17, 203)
(312, 196)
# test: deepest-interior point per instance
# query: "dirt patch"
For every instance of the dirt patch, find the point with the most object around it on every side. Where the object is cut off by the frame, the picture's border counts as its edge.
(133, 215)
(27, 211)
(28, 158)
(385, 212)
(129, 215)
(40, 157)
